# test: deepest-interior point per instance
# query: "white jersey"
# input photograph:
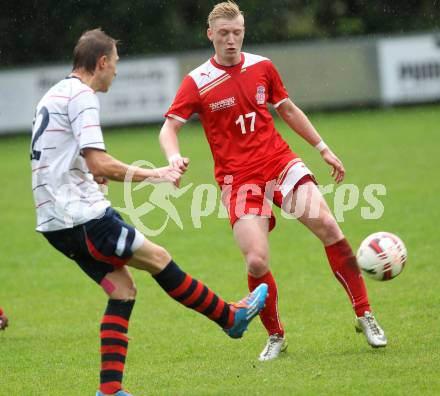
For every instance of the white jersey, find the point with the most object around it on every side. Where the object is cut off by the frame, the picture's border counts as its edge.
(66, 121)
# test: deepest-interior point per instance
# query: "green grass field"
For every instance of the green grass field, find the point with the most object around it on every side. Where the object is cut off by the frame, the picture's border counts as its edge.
(51, 346)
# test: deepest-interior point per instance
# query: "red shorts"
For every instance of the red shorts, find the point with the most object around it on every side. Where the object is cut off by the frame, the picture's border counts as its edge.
(250, 192)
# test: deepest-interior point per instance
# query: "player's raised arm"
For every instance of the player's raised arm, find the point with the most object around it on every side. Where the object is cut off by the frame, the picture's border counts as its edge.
(295, 118)
(103, 165)
(170, 144)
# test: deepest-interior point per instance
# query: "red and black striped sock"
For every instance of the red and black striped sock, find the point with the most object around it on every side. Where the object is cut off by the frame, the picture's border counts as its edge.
(114, 343)
(195, 295)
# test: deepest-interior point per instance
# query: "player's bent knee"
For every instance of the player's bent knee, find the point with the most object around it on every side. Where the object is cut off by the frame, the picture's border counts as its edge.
(150, 257)
(257, 264)
(119, 285)
(160, 256)
(124, 292)
(133, 290)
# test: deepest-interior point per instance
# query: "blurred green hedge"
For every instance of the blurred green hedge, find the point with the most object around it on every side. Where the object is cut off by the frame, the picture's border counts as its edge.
(39, 31)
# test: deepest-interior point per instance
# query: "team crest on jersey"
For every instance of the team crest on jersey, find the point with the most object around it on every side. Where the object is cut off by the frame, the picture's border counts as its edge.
(261, 95)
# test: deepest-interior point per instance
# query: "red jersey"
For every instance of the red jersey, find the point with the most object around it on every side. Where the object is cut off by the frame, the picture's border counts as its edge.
(232, 105)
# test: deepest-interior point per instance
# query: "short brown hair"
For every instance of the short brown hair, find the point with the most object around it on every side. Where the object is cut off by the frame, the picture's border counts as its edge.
(90, 47)
(227, 9)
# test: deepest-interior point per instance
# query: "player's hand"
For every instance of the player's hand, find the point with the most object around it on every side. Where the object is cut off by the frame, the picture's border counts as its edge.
(3, 321)
(168, 174)
(102, 183)
(178, 162)
(338, 170)
(100, 180)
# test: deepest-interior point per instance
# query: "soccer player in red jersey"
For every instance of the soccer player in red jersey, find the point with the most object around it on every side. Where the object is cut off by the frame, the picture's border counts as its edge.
(3, 320)
(231, 92)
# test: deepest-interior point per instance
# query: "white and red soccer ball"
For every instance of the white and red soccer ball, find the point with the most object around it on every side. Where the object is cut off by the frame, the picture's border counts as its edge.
(382, 256)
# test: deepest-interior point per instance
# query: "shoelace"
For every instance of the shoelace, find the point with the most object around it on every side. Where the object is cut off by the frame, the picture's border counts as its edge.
(239, 304)
(242, 303)
(372, 324)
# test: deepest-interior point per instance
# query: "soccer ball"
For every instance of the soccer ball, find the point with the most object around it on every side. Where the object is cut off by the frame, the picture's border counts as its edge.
(382, 256)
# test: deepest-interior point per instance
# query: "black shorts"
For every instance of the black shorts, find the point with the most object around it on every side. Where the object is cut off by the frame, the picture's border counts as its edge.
(99, 246)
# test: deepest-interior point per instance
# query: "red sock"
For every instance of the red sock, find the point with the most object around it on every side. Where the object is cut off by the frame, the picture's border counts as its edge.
(346, 270)
(269, 315)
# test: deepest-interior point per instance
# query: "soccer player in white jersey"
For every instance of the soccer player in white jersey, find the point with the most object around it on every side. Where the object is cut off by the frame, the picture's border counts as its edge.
(253, 163)
(68, 158)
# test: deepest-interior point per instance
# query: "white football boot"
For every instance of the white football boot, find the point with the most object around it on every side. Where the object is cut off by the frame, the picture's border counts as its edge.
(373, 332)
(275, 345)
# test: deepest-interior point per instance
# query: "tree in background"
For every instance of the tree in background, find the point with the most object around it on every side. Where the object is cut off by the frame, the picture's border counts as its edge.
(45, 30)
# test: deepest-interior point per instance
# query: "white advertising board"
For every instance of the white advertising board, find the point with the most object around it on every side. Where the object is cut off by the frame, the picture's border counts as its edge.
(409, 69)
(141, 92)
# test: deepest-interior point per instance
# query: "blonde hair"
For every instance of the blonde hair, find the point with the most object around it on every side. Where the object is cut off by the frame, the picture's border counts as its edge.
(227, 9)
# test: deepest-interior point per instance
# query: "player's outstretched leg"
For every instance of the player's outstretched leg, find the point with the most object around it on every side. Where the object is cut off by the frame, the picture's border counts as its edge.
(340, 256)
(233, 318)
(344, 265)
